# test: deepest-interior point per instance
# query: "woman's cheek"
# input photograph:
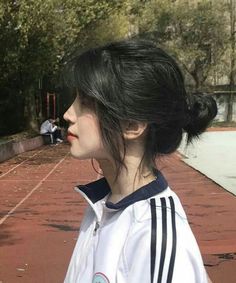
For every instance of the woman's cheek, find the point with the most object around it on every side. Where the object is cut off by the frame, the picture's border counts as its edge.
(88, 126)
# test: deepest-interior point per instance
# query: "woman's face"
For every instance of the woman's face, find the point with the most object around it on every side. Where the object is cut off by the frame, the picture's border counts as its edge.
(84, 133)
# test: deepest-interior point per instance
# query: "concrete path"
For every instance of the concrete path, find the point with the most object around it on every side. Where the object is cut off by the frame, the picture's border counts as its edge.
(214, 155)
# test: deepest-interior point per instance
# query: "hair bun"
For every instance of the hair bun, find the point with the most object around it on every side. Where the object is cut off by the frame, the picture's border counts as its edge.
(202, 110)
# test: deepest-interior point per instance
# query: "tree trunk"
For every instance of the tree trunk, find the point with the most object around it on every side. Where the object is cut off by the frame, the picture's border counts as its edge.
(232, 59)
(196, 80)
(30, 110)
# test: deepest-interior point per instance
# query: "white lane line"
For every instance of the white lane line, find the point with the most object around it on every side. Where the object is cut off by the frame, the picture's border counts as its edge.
(31, 192)
(20, 164)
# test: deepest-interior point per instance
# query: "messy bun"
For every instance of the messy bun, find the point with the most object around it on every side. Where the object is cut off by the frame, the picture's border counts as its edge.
(202, 109)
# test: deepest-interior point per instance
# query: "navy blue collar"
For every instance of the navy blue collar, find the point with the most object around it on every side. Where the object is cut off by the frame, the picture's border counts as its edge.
(98, 189)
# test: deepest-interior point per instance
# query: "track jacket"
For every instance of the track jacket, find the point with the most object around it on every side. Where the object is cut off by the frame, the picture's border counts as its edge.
(144, 238)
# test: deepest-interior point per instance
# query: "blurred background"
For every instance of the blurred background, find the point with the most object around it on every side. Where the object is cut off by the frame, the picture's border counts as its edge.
(37, 36)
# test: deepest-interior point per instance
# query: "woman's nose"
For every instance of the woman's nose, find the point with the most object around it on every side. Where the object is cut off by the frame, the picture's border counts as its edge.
(65, 116)
(70, 115)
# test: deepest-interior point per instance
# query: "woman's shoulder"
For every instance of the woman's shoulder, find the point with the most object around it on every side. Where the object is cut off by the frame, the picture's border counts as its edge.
(166, 202)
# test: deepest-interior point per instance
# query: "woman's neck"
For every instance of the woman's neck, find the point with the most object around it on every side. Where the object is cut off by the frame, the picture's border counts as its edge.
(127, 182)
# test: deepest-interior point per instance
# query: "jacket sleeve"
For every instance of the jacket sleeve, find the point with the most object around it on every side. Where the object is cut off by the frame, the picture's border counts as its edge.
(53, 128)
(163, 249)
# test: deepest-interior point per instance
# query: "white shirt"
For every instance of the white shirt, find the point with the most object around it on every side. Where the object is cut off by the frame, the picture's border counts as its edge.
(47, 127)
(144, 238)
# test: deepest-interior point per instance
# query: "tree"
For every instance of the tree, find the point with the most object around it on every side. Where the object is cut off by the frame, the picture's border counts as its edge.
(35, 37)
(232, 11)
(192, 32)
(114, 27)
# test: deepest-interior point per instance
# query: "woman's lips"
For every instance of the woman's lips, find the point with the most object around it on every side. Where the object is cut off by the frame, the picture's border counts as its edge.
(71, 137)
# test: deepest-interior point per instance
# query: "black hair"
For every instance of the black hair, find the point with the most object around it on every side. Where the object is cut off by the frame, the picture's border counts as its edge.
(134, 80)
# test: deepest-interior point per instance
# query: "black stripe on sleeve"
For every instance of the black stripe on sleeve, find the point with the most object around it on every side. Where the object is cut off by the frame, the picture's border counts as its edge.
(164, 239)
(174, 239)
(153, 237)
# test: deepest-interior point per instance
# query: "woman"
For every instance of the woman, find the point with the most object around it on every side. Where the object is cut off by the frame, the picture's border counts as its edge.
(131, 107)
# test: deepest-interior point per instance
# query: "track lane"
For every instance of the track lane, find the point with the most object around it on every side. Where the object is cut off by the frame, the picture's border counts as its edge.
(36, 242)
(14, 167)
(3, 219)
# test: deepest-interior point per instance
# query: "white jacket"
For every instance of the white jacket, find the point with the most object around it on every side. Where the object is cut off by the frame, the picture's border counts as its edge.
(144, 238)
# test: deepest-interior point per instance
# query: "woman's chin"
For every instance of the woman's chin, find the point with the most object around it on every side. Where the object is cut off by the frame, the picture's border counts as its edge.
(79, 155)
(93, 154)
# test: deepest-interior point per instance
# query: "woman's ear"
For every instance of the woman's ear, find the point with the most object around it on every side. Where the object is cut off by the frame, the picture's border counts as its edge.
(133, 130)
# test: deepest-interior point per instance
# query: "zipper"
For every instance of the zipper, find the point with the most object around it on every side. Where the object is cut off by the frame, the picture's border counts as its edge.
(97, 225)
(99, 221)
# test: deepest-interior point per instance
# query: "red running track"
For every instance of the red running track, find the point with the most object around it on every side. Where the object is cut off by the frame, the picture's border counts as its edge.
(40, 214)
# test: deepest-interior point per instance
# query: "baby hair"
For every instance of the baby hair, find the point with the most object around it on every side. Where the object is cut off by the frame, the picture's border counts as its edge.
(134, 80)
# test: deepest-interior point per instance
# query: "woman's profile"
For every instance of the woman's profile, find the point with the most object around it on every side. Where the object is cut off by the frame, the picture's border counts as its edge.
(131, 108)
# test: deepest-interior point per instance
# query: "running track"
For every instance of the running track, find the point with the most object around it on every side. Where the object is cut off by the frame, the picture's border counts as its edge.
(40, 215)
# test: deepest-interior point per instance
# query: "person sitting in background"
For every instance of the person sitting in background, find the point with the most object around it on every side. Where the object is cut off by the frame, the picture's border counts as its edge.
(49, 127)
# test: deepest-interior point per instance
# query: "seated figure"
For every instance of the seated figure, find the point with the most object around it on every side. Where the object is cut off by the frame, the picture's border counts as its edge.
(50, 128)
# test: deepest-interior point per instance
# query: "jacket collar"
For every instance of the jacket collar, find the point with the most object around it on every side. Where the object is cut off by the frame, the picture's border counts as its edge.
(99, 189)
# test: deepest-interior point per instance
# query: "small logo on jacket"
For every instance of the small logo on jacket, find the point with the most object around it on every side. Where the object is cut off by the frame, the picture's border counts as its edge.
(100, 278)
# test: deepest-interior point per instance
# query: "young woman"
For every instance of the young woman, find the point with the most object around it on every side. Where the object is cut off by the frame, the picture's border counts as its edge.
(131, 107)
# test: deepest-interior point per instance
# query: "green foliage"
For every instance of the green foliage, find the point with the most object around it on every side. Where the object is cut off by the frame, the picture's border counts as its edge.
(200, 38)
(114, 27)
(36, 35)
(195, 33)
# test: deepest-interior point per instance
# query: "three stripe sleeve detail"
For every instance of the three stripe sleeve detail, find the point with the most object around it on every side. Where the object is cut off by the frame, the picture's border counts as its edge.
(164, 239)
(174, 239)
(166, 264)
(153, 237)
